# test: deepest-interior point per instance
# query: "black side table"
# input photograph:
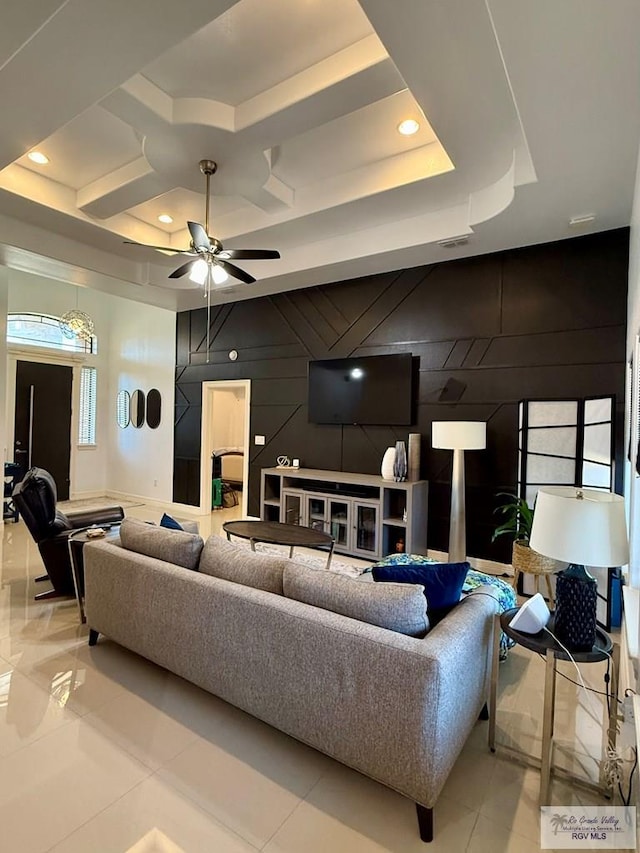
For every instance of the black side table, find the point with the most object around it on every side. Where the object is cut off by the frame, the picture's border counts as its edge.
(544, 644)
(76, 542)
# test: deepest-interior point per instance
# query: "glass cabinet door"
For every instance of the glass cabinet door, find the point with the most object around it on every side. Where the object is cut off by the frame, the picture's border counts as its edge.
(366, 528)
(292, 508)
(316, 512)
(339, 519)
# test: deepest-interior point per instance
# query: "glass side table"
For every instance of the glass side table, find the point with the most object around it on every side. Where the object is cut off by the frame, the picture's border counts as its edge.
(545, 645)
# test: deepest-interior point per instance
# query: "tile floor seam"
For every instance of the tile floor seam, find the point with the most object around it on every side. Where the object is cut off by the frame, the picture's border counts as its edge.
(98, 813)
(473, 829)
(58, 728)
(49, 693)
(182, 793)
(185, 793)
(299, 804)
(112, 740)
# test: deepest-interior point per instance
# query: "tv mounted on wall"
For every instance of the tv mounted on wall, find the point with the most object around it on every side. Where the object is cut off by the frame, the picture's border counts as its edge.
(371, 390)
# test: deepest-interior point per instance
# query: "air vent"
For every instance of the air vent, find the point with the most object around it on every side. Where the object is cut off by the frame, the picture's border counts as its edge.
(577, 221)
(452, 242)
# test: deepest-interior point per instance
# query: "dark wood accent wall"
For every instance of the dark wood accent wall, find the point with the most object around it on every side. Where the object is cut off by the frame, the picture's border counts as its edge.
(544, 321)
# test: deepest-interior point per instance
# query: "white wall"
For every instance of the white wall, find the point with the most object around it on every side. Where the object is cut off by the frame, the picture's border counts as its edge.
(42, 295)
(632, 483)
(227, 418)
(141, 356)
(4, 296)
(136, 349)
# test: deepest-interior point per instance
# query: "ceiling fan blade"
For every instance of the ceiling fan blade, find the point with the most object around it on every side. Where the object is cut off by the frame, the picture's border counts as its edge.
(199, 236)
(159, 248)
(235, 271)
(249, 254)
(183, 270)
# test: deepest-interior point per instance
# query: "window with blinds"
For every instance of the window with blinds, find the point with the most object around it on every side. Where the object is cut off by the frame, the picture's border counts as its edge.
(88, 400)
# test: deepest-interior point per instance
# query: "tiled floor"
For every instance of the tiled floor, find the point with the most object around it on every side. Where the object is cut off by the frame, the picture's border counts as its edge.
(103, 752)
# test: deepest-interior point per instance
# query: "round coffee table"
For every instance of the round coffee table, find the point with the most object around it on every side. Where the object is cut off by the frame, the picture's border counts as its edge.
(276, 533)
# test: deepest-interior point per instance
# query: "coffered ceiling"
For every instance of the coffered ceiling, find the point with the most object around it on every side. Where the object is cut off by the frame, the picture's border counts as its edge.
(529, 115)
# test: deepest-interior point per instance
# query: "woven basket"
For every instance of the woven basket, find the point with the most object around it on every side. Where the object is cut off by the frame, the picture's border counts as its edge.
(526, 560)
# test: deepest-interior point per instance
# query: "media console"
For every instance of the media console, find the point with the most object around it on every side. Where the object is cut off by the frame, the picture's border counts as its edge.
(367, 516)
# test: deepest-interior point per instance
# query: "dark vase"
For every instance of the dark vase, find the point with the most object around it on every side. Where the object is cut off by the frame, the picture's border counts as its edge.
(400, 462)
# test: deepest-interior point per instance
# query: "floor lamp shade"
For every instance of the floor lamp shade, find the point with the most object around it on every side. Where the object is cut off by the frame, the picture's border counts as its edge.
(458, 436)
(580, 527)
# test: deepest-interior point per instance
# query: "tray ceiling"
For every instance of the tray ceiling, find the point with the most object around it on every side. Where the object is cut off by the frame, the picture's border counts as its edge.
(299, 103)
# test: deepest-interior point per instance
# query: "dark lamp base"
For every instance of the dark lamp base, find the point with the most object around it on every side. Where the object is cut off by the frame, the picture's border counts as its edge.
(576, 598)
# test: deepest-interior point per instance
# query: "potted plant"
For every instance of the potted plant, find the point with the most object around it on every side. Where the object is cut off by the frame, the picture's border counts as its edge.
(517, 518)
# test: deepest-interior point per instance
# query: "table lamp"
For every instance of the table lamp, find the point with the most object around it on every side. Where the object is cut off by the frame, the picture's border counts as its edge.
(458, 436)
(580, 527)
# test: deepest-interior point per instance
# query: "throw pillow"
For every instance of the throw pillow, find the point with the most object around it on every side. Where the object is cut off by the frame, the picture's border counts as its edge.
(172, 546)
(170, 523)
(393, 606)
(442, 583)
(237, 563)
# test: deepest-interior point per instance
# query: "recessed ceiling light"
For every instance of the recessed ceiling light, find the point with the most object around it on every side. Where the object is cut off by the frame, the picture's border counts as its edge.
(164, 217)
(408, 127)
(38, 157)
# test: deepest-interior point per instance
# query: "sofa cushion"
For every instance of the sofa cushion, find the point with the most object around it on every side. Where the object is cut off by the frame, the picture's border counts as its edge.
(397, 607)
(237, 563)
(172, 546)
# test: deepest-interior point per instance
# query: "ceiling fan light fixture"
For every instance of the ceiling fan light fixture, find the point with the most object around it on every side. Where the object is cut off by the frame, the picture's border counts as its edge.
(198, 274)
(218, 274)
(164, 217)
(408, 127)
(38, 157)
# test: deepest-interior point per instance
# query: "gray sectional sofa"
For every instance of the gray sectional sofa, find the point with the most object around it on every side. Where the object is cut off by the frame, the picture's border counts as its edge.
(280, 641)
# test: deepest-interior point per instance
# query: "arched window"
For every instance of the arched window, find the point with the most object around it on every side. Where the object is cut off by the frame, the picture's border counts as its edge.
(43, 330)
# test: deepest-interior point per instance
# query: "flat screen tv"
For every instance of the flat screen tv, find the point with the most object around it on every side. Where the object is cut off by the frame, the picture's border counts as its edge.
(375, 389)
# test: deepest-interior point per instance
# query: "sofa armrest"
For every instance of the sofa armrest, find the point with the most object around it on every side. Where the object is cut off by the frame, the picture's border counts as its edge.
(461, 645)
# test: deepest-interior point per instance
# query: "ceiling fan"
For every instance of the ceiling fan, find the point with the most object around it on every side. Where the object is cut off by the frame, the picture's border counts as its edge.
(210, 260)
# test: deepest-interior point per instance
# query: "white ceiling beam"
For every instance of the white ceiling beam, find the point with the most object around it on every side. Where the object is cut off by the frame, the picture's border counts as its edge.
(121, 189)
(315, 107)
(373, 179)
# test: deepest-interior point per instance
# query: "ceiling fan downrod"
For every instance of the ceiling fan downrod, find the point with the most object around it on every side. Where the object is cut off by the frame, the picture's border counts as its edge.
(208, 168)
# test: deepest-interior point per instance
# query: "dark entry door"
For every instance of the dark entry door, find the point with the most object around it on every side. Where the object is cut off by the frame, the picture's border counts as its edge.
(43, 420)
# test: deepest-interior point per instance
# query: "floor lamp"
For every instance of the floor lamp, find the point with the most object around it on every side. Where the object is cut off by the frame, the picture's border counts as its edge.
(458, 436)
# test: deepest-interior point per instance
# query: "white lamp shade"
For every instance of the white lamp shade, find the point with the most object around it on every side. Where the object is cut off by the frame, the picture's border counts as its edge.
(199, 270)
(581, 526)
(459, 435)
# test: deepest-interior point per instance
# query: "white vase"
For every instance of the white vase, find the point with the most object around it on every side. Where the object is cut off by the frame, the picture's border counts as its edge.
(387, 463)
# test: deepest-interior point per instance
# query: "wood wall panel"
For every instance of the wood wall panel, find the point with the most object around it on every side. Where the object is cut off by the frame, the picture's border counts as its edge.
(544, 321)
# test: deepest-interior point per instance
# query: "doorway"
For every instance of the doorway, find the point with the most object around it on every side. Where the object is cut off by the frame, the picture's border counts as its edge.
(42, 426)
(225, 431)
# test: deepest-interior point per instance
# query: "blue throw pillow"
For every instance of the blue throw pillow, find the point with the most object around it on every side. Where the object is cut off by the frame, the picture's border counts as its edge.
(442, 583)
(170, 523)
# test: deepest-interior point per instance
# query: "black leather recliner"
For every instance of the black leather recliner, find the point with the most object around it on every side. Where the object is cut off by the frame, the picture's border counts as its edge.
(35, 498)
